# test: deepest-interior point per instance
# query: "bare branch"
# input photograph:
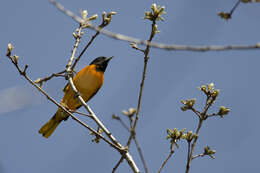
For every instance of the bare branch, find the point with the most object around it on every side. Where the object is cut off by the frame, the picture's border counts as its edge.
(117, 165)
(140, 152)
(170, 47)
(81, 113)
(235, 6)
(83, 51)
(115, 117)
(135, 139)
(146, 58)
(168, 157)
(40, 81)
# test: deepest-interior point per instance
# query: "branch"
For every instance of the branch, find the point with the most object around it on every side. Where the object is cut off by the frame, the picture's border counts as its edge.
(202, 155)
(235, 6)
(193, 146)
(83, 51)
(168, 157)
(135, 140)
(170, 47)
(40, 81)
(117, 165)
(81, 113)
(121, 121)
(146, 58)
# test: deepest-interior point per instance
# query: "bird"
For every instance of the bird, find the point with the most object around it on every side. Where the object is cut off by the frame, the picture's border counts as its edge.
(88, 81)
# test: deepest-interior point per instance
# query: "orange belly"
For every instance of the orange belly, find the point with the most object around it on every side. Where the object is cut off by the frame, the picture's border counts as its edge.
(87, 81)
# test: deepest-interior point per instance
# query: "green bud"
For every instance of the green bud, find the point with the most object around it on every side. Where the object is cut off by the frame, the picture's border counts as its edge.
(211, 86)
(206, 150)
(184, 136)
(10, 47)
(161, 10)
(125, 112)
(16, 58)
(188, 104)
(132, 111)
(215, 93)
(133, 45)
(203, 88)
(75, 35)
(94, 17)
(154, 7)
(223, 111)
(189, 136)
(115, 117)
(84, 14)
(212, 152)
(155, 14)
(184, 108)
(112, 13)
(109, 15)
(104, 15)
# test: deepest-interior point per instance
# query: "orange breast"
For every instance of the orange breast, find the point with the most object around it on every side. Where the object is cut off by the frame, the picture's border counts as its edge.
(87, 81)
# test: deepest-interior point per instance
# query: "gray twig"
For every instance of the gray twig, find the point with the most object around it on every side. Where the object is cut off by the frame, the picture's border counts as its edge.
(170, 47)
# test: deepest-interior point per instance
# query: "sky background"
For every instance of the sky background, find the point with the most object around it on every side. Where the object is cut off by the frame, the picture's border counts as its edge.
(42, 37)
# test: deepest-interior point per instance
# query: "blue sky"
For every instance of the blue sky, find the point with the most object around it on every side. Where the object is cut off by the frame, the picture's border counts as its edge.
(42, 37)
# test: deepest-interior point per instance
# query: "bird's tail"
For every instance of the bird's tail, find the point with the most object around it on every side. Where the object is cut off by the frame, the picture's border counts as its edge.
(48, 128)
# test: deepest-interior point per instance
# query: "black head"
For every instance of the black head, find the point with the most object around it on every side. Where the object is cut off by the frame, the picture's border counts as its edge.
(101, 63)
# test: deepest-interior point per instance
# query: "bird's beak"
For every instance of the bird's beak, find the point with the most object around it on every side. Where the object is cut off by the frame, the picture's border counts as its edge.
(108, 59)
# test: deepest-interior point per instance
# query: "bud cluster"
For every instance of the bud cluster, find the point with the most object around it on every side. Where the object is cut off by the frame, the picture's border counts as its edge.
(209, 152)
(188, 104)
(223, 111)
(175, 135)
(130, 112)
(10, 48)
(107, 17)
(155, 14)
(210, 92)
(84, 15)
(97, 138)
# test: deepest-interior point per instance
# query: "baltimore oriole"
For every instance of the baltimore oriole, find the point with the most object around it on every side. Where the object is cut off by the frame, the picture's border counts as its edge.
(87, 81)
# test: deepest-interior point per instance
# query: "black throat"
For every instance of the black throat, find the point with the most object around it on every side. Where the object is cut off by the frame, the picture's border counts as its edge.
(101, 63)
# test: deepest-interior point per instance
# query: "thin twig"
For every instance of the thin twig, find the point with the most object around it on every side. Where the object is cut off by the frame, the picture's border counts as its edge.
(196, 112)
(135, 140)
(170, 47)
(168, 157)
(233, 9)
(146, 58)
(202, 155)
(140, 152)
(188, 156)
(122, 122)
(81, 113)
(101, 26)
(198, 155)
(45, 79)
(133, 133)
(83, 51)
(213, 115)
(117, 165)
(193, 146)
